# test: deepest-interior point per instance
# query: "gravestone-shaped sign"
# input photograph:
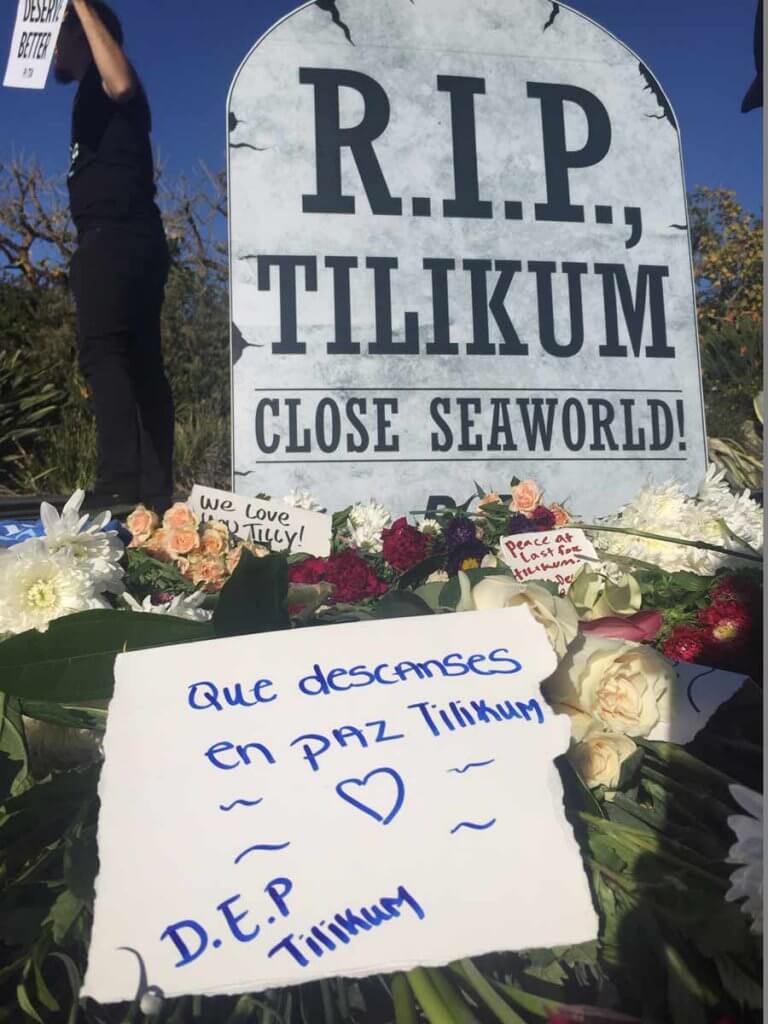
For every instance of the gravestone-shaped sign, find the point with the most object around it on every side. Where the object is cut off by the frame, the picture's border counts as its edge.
(459, 252)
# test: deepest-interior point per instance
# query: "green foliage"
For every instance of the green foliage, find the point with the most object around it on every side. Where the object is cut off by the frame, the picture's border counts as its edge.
(27, 401)
(145, 575)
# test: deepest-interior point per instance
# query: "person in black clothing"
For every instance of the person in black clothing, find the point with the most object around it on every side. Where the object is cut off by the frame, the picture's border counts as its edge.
(119, 270)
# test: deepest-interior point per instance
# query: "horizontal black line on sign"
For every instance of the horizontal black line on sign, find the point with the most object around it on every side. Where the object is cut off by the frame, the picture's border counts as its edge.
(510, 458)
(437, 388)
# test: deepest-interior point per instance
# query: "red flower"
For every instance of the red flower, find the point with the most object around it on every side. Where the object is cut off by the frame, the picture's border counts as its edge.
(729, 624)
(403, 545)
(542, 518)
(685, 643)
(732, 588)
(352, 577)
(308, 571)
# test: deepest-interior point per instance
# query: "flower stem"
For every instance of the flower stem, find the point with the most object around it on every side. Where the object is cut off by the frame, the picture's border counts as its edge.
(702, 545)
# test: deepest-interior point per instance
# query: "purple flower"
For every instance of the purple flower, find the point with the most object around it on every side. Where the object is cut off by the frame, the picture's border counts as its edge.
(459, 531)
(474, 549)
(518, 523)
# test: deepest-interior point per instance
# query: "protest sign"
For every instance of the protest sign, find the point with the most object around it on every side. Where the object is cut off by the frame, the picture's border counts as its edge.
(33, 42)
(459, 243)
(274, 524)
(375, 796)
(555, 555)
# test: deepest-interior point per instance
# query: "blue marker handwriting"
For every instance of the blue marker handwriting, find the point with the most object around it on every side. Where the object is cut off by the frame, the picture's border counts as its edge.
(396, 796)
(315, 744)
(260, 847)
(240, 803)
(191, 939)
(344, 926)
(338, 680)
(472, 764)
(438, 721)
(477, 826)
(204, 695)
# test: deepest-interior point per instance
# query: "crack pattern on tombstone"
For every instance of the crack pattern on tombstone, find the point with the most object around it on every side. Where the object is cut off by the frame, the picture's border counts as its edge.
(651, 85)
(330, 7)
(553, 14)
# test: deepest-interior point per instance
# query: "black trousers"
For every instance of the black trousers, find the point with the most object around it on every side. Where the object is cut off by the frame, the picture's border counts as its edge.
(118, 277)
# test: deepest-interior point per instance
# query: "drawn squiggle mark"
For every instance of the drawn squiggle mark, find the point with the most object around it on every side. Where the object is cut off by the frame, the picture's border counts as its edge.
(260, 846)
(472, 764)
(695, 679)
(474, 825)
(240, 803)
(144, 988)
(247, 145)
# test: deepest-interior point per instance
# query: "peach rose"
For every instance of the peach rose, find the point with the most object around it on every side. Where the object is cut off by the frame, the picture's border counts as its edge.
(526, 496)
(180, 517)
(181, 541)
(141, 522)
(210, 571)
(155, 546)
(213, 542)
(562, 518)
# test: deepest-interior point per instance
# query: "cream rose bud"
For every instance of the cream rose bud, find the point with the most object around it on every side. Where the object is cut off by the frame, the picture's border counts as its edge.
(599, 756)
(213, 541)
(526, 496)
(626, 686)
(556, 615)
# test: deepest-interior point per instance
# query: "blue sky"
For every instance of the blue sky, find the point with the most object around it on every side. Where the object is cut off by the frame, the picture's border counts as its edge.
(187, 53)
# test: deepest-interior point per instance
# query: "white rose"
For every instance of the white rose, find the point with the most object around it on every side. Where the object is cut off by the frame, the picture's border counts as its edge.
(556, 614)
(595, 596)
(626, 686)
(599, 756)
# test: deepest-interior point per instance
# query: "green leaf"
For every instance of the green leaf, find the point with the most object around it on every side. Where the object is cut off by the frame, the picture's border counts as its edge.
(399, 604)
(14, 772)
(430, 594)
(420, 572)
(72, 662)
(26, 1004)
(253, 599)
(64, 912)
(66, 715)
(745, 990)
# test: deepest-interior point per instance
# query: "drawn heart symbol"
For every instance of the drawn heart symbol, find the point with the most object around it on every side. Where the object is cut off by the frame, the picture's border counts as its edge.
(395, 806)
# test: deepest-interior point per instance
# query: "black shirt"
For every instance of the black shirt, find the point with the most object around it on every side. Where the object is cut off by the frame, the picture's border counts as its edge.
(111, 175)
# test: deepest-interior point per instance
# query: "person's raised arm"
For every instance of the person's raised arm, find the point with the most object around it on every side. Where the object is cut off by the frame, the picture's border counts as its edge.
(117, 75)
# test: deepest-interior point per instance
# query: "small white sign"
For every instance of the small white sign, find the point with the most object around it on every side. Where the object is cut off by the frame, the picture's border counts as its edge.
(555, 555)
(376, 796)
(34, 40)
(272, 523)
(699, 693)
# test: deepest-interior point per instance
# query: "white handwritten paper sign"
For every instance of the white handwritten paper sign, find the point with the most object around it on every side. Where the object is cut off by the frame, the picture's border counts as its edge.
(33, 42)
(272, 523)
(700, 691)
(377, 796)
(555, 555)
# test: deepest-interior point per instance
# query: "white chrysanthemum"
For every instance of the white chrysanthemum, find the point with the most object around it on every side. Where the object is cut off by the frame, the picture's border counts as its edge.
(665, 509)
(97, 551)
(37, 585)
(182, 606)
(743, 516)
(304, 500)
(431, 527)
(364, 525)
(747, 880)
